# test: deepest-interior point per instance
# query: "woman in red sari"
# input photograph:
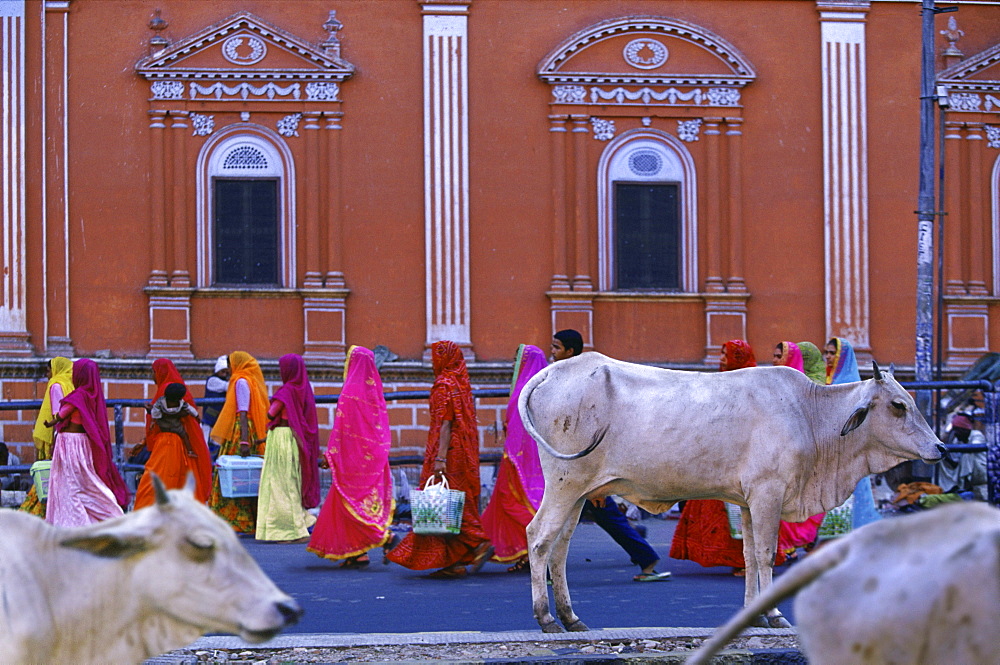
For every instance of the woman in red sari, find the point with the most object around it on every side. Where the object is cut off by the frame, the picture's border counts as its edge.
(167, 456)
(452, 450)
(702, 534)
(359, 505)
(520, 484)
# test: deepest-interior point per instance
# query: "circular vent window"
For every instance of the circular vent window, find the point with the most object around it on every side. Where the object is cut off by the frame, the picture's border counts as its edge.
(645, 162)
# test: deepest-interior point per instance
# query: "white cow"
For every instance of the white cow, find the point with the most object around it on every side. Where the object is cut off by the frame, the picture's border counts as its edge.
(915, 590)
(767, 439)
(129, 588)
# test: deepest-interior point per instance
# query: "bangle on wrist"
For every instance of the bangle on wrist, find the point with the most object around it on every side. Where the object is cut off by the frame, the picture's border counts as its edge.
(440, 459)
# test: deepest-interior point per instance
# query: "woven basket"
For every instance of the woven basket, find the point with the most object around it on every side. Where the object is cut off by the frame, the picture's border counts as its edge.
(437, 509)
(735, 521)
(837, 521)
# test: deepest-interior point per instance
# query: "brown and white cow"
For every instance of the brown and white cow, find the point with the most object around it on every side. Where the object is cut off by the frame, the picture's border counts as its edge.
(916, 590)
(767, 439)
(132, 587)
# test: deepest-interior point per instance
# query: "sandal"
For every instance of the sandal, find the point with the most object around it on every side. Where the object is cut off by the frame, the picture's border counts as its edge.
(519, 566)
(651, 577)
(355, 562)
(388, 547)
(483, 554)
(448, 573)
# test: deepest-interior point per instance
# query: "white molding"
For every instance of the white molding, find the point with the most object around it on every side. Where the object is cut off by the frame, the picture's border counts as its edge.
(845, 181)
(678, 167)
(995, 201)
(13, 216)
(446, 177)
(281, 165)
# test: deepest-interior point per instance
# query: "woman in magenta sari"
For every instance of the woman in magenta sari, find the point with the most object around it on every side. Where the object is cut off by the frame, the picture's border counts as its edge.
(793, 535)
(289, 481)
(359, 506)
(520, 484)
(84, 484)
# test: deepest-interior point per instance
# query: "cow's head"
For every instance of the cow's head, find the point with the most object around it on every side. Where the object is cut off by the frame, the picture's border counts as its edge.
(890, 417)
(185, 562)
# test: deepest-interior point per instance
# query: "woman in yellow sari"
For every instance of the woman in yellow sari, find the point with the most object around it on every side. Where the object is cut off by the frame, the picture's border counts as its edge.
(60, 384)
(240, 430)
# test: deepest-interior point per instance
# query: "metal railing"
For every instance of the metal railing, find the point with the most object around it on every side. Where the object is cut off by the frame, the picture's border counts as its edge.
(989, 390)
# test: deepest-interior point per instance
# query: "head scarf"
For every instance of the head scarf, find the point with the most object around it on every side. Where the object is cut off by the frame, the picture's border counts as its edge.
(165, 373)
(358, 449)
(791, 356)
(520, 448)
(243, 366)
(221, 363)
(88, 399)
(62, 373)
(738, 355)
(451, 389)
(296, 394)
(812, 362)
(845, 363)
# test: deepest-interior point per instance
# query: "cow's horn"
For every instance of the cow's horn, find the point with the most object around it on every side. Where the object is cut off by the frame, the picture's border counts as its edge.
(162, 498)
(876, 371)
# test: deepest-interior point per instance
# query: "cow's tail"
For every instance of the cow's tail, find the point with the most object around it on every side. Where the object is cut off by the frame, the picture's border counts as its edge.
(525, 410)
(788, 584)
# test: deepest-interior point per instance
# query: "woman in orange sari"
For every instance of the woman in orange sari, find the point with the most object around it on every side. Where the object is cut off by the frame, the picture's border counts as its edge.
(359, 506)
(240, 430)
(452, 451)
(702, 534)
(168, 457)
(520, 484)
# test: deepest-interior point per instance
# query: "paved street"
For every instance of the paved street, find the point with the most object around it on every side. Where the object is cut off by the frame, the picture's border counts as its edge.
(391, 599)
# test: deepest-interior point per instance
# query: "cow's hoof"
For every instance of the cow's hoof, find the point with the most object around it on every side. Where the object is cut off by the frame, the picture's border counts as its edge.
(760, 621)
(778, 622)
(552, 627)
(577, 627)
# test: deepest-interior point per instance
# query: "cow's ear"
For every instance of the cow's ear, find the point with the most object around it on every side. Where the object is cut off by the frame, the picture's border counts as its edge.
(108, 544)
(856, 419)
(892, 370)
(189, 484)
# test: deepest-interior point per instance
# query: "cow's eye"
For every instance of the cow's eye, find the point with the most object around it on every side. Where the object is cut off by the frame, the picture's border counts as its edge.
(202, 544)
(899, 406)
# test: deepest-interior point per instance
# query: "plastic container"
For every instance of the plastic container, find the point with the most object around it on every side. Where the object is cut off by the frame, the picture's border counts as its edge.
(40, 475)
(239, 476)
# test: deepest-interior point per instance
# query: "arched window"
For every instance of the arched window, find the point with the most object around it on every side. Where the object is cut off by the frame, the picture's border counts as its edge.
(246, 225)
(646, 215)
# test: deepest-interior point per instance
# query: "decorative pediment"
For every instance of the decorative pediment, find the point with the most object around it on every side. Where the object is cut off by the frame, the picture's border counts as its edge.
(245, 57)
(646, 60)
(974, 85)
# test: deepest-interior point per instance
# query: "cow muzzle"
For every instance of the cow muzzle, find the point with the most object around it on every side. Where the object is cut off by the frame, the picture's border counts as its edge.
(941, 450)
(286, 613)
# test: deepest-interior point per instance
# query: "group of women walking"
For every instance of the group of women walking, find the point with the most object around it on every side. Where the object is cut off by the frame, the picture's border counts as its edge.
(703, 534)
(355, 518)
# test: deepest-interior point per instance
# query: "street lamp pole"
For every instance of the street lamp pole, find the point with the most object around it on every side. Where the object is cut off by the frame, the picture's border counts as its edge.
(925, 209)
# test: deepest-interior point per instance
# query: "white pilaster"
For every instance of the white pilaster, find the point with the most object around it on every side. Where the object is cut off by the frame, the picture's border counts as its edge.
(13, 309)
(446, 172)
(845, 170)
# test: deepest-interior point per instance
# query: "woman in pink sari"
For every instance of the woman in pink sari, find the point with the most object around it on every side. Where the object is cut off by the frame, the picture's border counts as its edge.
(520, 484)
(359, 506)
(793, 535)
(84, 484)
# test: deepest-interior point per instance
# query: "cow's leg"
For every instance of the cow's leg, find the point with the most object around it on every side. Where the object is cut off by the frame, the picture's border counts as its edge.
(764, 540)
(557, 567)
(544, 532)
(751, 574)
